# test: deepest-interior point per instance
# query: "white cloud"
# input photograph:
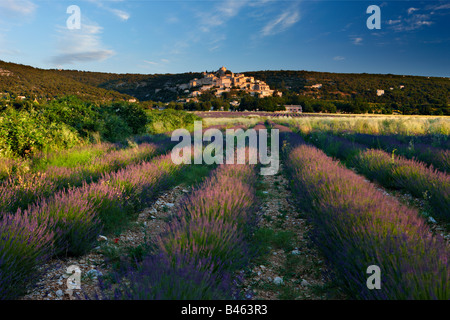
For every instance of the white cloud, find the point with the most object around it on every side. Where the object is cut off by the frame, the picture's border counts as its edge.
(338, 58)
(394, 21)
(122, 15)
(153, 63)
(281, 23)
(80, 45)
(225, 11)
(22, 7)
(442, 6)
(413, 22)
(357, 40)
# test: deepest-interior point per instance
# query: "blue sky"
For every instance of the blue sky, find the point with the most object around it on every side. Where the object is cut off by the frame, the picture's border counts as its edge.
(147, 36)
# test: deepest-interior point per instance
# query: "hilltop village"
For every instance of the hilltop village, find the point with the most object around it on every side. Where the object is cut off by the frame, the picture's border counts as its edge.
(224, 80)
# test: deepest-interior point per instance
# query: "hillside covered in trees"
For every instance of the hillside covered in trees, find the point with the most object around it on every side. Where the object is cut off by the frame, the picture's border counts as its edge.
(315, 91)
(33, 83)
(398, 89)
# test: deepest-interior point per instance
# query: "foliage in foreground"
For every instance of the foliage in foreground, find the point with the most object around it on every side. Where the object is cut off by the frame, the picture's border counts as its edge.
(69, 222)
(68, 122)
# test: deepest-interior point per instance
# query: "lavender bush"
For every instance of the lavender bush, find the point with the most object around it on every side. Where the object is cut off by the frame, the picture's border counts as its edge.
(75, 218)
(205, 244)
(162, 278)
(21, 191)
(356, 225)
(410, 175)
(438, 158)
(392, 171)
(25, 243)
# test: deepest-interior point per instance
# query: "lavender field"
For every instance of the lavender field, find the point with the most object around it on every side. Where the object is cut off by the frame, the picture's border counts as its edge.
(138, 226)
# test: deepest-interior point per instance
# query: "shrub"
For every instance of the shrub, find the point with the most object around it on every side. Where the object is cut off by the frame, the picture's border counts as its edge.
(25, 243)
(162, 278)
(26, 132)
(169, 120)
(76, 221)
(133, 114)
(115, 128)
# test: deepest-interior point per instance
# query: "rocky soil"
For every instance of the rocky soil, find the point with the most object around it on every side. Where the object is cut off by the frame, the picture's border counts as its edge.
(151, 222)
(292, 269)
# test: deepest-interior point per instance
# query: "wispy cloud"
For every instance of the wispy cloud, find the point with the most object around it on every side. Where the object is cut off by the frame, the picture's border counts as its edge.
(416, 18)
(393, 21)
(154, 63)
(223, 12)
(338, 58)
(357, 40)
(411, 10)
(438, 7)
(281, 23)
(216, 42)
(122, 15)
(21, 7)
(83, 45)
(414, 22)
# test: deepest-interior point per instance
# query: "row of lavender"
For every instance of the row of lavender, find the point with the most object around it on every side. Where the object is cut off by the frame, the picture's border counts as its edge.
(198, 255)
(22, 190)
(392, 171)
(357, 226)
(70, 221)
(437, 157)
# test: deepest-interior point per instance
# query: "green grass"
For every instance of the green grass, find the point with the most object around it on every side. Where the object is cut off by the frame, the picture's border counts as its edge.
(261, 187)
(194, 175)
(283, 240)
(137, 254)
(291, 264)
(406, 125)
(266, 238)
(69, 159)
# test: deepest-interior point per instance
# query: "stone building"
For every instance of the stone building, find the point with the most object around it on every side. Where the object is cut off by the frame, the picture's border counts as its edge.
(224, 81)
(293, 108)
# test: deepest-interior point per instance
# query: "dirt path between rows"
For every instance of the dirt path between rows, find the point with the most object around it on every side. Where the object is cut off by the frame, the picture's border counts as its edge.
(293, 268)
